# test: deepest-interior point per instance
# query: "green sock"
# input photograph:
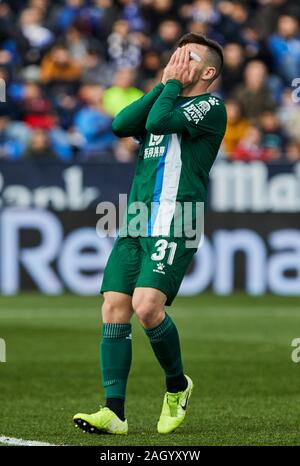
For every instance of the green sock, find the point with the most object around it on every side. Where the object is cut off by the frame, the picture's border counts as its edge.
(115, 358)
(164, 340)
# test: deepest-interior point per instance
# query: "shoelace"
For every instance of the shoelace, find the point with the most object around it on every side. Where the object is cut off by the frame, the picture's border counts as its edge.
(173, 400)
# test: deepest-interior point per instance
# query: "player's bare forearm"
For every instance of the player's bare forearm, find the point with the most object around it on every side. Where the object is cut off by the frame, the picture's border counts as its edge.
(131, 120)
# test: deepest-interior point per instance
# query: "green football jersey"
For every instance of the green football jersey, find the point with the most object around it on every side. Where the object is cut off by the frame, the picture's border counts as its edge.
(179, 141)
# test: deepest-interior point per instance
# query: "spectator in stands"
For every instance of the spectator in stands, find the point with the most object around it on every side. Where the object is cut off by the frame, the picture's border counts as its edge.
(265, 17)
(123, 48)
(274, 138)
(69, 13)
(90, 40)
(95, 69)
(36, 109)
(201, 11)
(151, 64)
(94, 124)
(13, 135)
(5, 77)
(6, 61)
(285, 48)
(237, 127)
(232, 73)
(293, 151)
(122, 92)
(66, 104)
(125, 150)
(59, 71)
(38, 36)
(131, 12)
(5, 14)
(207, 30)
(289, 113)
(167, 35)
(8, 43)
(234, 18)
(40, 146)
(156, 11)
(60, 140)
(250, 146)
(59, 65)
(79, 44)
(103, 14)
(148, 85)
(253, 94)
(43, 5)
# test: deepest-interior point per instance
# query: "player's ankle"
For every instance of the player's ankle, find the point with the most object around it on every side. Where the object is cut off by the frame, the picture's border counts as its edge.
(177, 383)
(117, 405)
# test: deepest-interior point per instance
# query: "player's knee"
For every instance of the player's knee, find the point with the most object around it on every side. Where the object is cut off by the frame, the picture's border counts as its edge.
(108, 310)
(148, 312)
(114, 311)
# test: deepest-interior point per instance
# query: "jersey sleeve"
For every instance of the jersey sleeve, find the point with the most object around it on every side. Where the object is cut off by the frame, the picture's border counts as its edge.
(132, 119)
(205, 115)
(162, 118)
(200, 116)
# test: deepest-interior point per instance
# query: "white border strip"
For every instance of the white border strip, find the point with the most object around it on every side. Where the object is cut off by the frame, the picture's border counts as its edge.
(27, 443)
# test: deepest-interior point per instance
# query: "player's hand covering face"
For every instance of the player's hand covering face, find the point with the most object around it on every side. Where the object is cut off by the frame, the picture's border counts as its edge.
(182, 67)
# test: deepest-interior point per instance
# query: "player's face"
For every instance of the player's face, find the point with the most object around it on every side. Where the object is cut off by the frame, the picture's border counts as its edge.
(198, 60)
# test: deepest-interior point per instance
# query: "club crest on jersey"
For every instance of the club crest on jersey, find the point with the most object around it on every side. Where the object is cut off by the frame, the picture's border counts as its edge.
(214, 101)
(203, 107)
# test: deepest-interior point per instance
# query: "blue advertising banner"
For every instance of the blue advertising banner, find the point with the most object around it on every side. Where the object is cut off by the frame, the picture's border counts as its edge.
(56, 252)
(234, 186)
(49, 242)
(61, 187)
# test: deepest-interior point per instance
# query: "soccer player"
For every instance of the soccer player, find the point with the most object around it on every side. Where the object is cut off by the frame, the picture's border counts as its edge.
(180, 127)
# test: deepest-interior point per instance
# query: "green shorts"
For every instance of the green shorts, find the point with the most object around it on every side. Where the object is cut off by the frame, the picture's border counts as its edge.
(154, 262)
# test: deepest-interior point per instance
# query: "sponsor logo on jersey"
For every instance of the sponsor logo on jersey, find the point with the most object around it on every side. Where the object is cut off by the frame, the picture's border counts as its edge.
(196, 112)
(154, 150)
(151, 152)
(155, 139)
(160, 268)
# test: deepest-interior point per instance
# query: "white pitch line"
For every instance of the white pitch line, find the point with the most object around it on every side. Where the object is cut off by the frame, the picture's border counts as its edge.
(28, 443)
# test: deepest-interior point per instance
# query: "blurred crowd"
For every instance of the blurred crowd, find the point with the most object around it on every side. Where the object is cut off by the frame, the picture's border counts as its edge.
(70, 66)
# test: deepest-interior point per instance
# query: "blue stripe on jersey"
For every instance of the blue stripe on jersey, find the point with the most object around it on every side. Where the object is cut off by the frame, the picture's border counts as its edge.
(158, 187)
(159, 180)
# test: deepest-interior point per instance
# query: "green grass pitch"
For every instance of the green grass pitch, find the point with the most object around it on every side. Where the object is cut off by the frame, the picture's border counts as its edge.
(237, 349)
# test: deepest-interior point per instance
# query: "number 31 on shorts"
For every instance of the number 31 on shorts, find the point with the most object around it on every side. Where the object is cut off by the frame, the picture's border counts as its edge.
(162, 247)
